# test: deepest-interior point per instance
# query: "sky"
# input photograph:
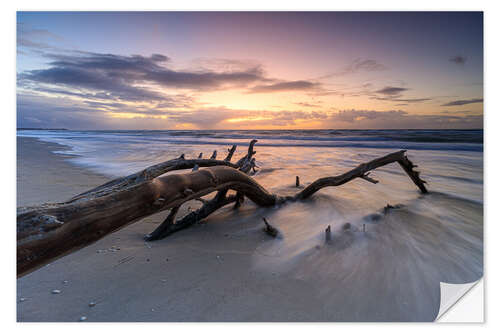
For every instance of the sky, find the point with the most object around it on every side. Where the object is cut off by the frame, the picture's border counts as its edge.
(250, 70)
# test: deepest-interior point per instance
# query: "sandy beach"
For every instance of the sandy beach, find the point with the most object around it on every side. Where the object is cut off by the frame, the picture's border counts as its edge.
(202, 275)
(227, 269)
(43, 176)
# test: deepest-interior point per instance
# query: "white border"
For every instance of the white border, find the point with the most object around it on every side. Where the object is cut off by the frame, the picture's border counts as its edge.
(7, 123)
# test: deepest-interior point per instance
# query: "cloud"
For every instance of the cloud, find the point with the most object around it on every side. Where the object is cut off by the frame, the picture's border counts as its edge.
(284, 86)
(159, 57)
(140, 78)
(398, 99)
(367, 65)
(359, 65)
(204, 80)
(463, 102)
(80, 89)
(32, 44)
(98, 83)
(394, 94)
(27, 32)
(308, 105)
(130, 78)
(391, 90)
(224, 65)
(48, 112)
(399, 119)
(36, 39)
(455, 112)
(359, 115)
(39, 111)
(459, 60)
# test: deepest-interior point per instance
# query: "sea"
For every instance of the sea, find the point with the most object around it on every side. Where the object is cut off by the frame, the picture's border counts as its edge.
(396, 256)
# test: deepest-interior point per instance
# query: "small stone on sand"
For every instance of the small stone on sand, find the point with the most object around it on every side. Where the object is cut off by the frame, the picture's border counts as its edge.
(22, 299)
(92, 304)
(83, 318)
(56, 291)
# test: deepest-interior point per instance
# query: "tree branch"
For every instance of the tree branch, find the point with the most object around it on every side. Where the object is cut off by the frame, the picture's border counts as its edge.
(361, 170)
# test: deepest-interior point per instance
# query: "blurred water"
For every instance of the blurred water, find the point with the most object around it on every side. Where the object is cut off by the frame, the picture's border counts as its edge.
(404, 253)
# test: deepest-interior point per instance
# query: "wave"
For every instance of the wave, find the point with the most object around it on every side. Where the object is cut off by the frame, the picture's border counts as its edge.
(453, 140)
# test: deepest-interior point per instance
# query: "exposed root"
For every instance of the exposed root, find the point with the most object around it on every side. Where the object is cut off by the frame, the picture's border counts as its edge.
(328, 234)
(269, 229)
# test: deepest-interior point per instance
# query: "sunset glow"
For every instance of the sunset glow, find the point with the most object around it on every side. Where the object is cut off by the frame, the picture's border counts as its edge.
(191, 70)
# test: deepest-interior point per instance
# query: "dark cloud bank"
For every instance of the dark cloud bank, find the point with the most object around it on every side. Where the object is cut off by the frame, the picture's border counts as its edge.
(128, 78)
(459, 60)
(463, 102)
(391, 90)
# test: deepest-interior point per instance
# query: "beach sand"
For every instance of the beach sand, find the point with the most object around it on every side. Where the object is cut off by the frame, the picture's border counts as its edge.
(43, 176)
(227, 269)
(201, 274)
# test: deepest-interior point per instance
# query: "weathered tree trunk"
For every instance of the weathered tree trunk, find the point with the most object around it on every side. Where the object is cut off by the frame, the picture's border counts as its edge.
(47, 232)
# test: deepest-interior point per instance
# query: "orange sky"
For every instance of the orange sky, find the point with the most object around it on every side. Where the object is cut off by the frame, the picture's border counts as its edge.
(250, 70)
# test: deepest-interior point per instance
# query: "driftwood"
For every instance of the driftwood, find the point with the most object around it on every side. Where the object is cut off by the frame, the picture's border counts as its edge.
(328, 233)
(49, 231)
(269, 229)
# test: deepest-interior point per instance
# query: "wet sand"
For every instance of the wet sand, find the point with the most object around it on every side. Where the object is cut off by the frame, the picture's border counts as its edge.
(227, 269)
(43, 176)
(204, 274)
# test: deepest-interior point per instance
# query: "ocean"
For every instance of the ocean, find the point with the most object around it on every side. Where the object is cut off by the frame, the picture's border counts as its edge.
(402, 255)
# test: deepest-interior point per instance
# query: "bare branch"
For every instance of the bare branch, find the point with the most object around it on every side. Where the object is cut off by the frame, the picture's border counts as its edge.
(240, 198)
(369, 179)
(230, 153)
(249, 154)
(360, 171)
(168, 221)
(269, 229)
